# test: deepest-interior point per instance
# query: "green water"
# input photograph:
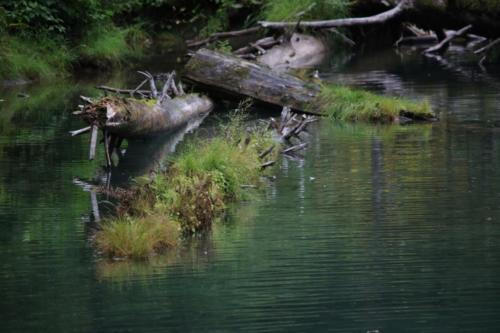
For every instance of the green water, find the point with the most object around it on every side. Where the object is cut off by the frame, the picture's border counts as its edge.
(395, 229)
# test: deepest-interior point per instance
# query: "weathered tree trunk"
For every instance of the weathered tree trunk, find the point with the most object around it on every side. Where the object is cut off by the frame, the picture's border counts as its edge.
(234, 75)
(129, 118)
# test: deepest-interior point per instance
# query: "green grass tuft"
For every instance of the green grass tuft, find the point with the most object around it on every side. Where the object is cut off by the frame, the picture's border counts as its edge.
(287, 10)
(348, 104)
(136, 238)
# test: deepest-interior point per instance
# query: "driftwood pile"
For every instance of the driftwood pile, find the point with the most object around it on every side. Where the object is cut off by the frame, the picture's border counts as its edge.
(290, 130)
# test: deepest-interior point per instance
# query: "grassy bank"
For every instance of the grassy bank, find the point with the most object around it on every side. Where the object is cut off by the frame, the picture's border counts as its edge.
(49, 56)
(287, 10)
(200, 182)
(349, 104)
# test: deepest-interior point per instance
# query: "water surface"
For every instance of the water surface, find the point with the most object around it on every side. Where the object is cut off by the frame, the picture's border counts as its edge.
(385, 228)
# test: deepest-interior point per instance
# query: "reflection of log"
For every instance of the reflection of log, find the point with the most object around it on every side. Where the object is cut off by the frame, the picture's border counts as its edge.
(237, 76)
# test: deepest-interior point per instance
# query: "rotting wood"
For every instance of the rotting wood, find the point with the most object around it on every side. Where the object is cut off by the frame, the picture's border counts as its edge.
(80, 131)
(237, 76)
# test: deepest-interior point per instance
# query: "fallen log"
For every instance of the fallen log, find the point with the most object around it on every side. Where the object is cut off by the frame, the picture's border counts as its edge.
(124, 118)
(130, 118)
(237, 76)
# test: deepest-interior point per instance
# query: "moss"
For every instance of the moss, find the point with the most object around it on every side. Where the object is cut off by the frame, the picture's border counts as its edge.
(348, 104)
(200, 182)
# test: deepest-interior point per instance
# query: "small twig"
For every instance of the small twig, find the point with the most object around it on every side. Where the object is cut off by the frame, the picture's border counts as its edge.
(266, 152)
(152, 84)
(86, 99)
(80, 131)
(106, 148)
(267, 164)
(294, 148)
(487, 47)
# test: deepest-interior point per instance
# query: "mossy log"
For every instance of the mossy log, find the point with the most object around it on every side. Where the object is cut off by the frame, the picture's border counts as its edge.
(130, 118)
(241, 77)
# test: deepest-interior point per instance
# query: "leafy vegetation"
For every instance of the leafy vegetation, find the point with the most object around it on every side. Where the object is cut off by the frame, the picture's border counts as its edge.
(201, 180)
(348, 104)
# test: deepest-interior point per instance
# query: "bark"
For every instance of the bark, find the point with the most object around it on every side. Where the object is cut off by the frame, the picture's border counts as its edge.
(240, 77)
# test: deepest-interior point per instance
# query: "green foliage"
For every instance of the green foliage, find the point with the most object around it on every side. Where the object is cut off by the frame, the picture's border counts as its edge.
(287, 10)
(196, 188)
(344, 103)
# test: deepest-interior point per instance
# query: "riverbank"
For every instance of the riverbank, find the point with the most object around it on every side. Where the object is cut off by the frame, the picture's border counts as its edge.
(40, 41)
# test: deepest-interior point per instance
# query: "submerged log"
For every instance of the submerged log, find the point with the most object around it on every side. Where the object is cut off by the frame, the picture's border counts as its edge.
(234, 75)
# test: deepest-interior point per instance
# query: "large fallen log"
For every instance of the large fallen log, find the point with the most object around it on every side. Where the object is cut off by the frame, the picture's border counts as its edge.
(231, 74)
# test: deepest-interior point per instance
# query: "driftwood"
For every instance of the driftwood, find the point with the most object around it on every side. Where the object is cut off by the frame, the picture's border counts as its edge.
(240, 77)
(443, 45)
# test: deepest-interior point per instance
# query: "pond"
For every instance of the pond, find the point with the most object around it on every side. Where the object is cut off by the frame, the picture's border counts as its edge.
(376, 229)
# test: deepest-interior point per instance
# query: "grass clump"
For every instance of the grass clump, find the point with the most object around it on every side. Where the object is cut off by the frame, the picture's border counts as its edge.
(136, 238)
(287, 10)
(200, 182)
(348, 104)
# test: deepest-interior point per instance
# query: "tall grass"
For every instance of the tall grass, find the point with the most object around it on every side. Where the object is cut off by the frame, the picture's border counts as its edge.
(287, 10)
(348, 104)
(33, 58)
(112, 46)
